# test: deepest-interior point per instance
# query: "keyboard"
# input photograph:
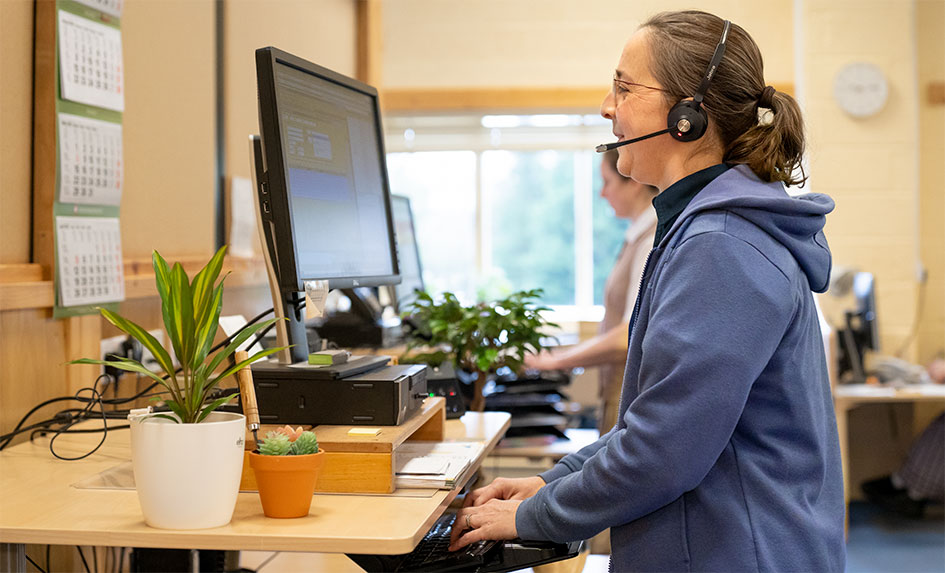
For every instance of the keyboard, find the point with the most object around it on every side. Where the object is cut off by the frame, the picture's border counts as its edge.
(433, 554)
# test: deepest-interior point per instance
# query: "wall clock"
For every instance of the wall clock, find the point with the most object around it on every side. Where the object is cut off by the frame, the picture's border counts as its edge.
(860, 89)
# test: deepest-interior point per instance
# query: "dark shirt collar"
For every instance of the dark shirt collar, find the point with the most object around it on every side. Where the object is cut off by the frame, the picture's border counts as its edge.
(670, 203)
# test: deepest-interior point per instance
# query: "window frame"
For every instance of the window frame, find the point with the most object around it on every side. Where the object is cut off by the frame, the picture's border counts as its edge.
(438, 132)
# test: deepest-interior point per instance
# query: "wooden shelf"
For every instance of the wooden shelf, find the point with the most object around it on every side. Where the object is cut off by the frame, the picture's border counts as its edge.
(362, 464)
(24, 289)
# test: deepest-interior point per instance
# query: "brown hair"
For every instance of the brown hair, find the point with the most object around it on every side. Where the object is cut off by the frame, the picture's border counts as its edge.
(681, 45)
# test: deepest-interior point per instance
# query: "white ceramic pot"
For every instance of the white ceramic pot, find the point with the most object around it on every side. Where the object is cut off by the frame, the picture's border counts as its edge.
(187, 475)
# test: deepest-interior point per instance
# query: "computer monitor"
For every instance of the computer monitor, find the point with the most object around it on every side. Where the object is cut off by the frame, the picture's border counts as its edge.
(861, 332)
(321, 180)
(411, 272)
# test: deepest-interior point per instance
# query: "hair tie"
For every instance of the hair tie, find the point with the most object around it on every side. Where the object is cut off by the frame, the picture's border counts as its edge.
(766, 99)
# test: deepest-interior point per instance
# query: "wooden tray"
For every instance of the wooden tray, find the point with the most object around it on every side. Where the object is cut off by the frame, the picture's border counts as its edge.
(362, 464)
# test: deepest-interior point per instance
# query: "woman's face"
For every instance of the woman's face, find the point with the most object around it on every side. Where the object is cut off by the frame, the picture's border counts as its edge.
(627, 197)
(637, 110)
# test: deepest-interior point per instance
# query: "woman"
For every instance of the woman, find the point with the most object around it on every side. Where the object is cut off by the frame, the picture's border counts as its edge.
(725, 456)
(633, 201)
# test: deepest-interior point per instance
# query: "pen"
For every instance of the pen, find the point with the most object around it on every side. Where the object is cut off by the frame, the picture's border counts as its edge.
(248, 395)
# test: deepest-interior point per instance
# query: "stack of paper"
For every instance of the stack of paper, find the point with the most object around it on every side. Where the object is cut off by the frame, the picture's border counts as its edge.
(433, 464)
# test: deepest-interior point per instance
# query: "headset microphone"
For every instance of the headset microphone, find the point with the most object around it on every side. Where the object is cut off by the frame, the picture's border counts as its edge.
(687, 120)
(608, 146)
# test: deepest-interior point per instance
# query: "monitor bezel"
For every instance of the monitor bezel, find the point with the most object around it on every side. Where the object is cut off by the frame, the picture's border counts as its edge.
(416, 244)
(275, 169)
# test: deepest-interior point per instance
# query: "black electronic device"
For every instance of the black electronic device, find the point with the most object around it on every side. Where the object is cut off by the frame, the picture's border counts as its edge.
(687, 120)
(861, 332)
(323, 196)
(324, 215)
(305, 395)
(442, 381)
(432, 554)
(363, 325)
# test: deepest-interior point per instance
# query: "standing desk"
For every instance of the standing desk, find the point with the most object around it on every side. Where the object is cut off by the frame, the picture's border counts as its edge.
(846, 397)
(38, 504)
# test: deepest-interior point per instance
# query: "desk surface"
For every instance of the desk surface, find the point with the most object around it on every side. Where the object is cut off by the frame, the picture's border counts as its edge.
(533, 447)
(872, 392)
(38, 504)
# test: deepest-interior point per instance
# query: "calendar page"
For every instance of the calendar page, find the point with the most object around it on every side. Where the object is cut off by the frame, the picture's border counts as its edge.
(112, 7)
(90, 266)
(90, 62)
(90, 161)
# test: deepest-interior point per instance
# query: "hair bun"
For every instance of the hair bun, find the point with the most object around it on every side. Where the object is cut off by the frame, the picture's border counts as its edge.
(766, 99)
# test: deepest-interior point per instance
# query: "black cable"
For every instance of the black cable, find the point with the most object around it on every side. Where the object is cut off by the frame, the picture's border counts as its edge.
(48, 568)
(84, 562)
(94, 560)
(216, 347)
(7, 438)
(97, 396)
(266, 562)
(34, 563)
(44, 432)
(916, 319)
(261, 335)
(15, 431)
(43, 424)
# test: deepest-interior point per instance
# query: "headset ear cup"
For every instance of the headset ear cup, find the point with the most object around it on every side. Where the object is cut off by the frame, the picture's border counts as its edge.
(687, 121)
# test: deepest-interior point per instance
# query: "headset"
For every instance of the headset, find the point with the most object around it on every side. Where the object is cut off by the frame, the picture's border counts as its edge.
(687, 120)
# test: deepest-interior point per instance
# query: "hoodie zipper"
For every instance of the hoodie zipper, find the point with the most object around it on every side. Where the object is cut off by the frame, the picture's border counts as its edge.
(636, 303)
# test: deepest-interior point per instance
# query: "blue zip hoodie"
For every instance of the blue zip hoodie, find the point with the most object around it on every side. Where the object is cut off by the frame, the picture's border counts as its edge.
(725, 456)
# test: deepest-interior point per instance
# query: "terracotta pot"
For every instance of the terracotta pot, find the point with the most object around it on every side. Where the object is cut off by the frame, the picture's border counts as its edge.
(286, 483)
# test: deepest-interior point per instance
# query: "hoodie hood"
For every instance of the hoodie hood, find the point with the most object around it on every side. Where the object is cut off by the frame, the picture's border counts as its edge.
(795, 222)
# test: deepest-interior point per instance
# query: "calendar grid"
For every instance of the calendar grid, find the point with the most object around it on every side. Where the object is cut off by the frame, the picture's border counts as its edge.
(90, 266)
(89, 98)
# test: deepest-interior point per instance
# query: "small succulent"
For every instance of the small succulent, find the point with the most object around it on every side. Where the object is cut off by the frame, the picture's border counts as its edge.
(288, 442)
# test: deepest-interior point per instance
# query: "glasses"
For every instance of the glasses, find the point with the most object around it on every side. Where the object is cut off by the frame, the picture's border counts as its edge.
(625, 85)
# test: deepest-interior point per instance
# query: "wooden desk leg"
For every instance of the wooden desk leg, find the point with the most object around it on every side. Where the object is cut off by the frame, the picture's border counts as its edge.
(12, 557)
(842, 409)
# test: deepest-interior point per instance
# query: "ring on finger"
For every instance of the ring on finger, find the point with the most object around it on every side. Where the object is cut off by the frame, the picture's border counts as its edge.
(468, 524)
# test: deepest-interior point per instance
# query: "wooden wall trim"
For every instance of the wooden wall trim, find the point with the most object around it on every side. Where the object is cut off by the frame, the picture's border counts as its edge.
(501, 99)
(139, 282)
(44, 135)
(21, 273)
(369, 41)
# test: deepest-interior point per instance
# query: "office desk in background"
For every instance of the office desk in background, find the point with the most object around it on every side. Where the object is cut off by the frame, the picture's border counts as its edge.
(846, 397)
(38, 504)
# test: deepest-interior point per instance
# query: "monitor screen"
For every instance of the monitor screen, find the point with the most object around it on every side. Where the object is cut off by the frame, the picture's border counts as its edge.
(326, 173)
(864, 321)
(408, 252)
(861, 331)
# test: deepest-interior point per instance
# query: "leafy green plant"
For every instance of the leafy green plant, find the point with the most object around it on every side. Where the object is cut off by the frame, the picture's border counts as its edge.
(477, 338)
(288, 442)
(191, 312)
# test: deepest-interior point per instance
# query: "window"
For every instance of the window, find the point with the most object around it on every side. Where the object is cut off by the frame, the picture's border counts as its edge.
(504, 203)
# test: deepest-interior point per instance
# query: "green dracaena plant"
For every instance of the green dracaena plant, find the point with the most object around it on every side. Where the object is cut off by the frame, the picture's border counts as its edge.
(477, 338)
(191, 312)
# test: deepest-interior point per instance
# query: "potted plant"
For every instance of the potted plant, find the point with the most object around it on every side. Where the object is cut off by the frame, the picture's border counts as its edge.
(286, 468)
(188, 460)
(479, 338)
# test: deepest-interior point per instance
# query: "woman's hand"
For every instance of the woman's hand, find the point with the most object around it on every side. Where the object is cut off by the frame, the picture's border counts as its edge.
(492, 520)
(504, 489)
(543, 361)
(489, 512)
